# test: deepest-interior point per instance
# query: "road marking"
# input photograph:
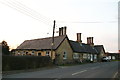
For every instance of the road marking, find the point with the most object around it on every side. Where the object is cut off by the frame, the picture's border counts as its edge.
(115, 75)
(79, 72)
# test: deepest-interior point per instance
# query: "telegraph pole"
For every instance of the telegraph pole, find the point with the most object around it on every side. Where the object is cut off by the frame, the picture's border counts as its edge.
(52, 40)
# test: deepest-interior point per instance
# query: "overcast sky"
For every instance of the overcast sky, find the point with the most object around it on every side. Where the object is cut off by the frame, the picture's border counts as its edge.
(31, 19)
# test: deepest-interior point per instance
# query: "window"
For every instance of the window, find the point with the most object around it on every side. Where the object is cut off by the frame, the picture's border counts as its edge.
(26, 53)
(109, 57)
(64, 55)
(18, 52)
(113, 57)
(85, 56)
(76, 56)
(47, 53)
(88, 56)
(95, 56)
(32, 53)
(39, 54)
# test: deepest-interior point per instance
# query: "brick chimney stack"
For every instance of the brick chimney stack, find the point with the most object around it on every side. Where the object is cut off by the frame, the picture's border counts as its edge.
(90, 40)
(62, 31)
(79, 37)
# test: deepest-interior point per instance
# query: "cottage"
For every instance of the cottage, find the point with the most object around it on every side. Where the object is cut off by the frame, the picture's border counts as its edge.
(101, 51)
(62, 51)
(91, 52)
(83, 52)
(78, 49)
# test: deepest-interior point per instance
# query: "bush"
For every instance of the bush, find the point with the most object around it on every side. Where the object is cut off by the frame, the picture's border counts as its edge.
(24, 62)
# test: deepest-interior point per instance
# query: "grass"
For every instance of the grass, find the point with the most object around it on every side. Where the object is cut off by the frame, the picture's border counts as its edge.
(115, 60)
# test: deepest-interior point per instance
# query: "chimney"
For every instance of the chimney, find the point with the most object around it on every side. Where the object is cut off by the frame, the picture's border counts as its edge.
(64, 30)
(90, 40)
(59, 31)
(79, 37)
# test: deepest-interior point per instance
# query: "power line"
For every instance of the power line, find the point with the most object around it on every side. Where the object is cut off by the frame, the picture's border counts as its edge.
(37, 16)
(79, 22)
(33, 11)
(27, 11)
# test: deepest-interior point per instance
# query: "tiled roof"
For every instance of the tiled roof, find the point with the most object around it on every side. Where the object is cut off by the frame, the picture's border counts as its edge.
(45, 43)
(77, 47)
(81, 47)
(99, 48)
(89, 48)
(40, 44)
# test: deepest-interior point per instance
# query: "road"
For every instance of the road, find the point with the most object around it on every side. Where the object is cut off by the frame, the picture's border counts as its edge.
(91, 70)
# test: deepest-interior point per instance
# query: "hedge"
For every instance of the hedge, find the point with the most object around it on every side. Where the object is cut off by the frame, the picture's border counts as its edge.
(24, 62)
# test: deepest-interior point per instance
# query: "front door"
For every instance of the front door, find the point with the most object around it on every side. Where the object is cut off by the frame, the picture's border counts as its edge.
(91, 57)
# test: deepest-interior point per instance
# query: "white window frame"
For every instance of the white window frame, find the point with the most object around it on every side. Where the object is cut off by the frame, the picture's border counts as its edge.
(75, 56)
(32, 53)
(88, 56)
(113, 57)
(64, 55)
(84, 56)
(95, 56)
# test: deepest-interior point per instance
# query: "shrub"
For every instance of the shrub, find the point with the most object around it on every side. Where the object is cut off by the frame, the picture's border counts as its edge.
(24, 62)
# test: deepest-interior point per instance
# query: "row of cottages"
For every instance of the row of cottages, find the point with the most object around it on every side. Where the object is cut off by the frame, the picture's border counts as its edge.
(89, 51)
(63, 50)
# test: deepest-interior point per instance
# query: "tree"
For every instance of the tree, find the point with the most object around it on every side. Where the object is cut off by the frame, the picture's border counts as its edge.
(5, 48)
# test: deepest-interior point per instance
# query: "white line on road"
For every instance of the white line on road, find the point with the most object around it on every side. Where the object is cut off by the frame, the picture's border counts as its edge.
(79, 72)
(115, 75)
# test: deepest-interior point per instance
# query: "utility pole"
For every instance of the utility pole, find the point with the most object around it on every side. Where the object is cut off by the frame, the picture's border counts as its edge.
(52, 45)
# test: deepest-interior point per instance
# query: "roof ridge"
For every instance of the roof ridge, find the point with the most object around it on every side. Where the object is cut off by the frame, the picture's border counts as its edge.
(76, 42)
(44, 38)
(42, 43)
